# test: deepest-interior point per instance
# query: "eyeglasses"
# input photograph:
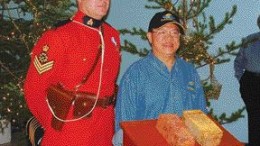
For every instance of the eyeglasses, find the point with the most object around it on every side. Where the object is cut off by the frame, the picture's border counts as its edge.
(173, 33)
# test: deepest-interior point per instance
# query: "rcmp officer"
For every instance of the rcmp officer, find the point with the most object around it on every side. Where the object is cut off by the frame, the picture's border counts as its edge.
(247, 72)
(65, 55)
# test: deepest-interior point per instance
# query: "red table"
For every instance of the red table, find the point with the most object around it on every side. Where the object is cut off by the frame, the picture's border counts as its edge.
(144, 133)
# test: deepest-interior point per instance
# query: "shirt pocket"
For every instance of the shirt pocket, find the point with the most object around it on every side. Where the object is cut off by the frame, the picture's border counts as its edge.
(189, 94)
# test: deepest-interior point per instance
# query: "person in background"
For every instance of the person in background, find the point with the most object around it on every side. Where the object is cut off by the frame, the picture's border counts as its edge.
(64, 55)
(161, 82)
(247, 72)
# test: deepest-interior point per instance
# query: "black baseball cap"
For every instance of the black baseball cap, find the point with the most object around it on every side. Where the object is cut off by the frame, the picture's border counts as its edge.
(161, 18)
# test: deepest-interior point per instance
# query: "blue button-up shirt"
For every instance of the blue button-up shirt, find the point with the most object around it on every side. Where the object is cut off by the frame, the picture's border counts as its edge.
(248, 57)
(148, 89)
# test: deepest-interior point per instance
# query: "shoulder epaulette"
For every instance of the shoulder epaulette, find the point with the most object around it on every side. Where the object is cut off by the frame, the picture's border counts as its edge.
(106, 23)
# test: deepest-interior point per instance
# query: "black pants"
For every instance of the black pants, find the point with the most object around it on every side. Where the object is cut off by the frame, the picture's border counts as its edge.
(250, 92)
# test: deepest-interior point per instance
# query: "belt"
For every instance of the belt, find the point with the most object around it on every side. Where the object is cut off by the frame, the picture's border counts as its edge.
(91, 98)
(84, 103)
(85, 99)
(252, 73)
(105, 102)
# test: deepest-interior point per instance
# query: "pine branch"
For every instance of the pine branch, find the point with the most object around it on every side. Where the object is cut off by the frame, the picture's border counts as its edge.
(134, 32)
(229, 48)
(198, 8)
(131, 48)
(16, 27)
(224, 119)
(8, 70)
(227, 20)
(7, 9)
(158, 4)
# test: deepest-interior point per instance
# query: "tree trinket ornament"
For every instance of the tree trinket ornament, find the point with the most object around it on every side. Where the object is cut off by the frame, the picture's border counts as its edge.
(212, 87)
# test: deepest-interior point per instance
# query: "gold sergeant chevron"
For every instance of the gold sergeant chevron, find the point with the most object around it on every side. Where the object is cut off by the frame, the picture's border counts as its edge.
(41, 68)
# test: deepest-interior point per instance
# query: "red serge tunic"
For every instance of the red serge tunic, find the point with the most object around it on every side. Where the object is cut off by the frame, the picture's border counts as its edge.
(65, 55)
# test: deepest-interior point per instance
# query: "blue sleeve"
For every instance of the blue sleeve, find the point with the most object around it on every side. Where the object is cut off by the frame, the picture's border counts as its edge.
(199, 102)
(239, 64)
(126, 106)
(250, 38)
(201, 99)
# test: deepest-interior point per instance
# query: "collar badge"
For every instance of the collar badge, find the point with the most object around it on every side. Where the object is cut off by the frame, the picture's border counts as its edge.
(90, 22)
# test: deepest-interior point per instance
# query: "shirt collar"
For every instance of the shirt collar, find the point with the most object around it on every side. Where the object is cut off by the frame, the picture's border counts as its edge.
(158, 63)
(87, 20)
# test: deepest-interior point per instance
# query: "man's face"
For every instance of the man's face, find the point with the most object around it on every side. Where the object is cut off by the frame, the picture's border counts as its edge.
(165, 40)
(94, 8)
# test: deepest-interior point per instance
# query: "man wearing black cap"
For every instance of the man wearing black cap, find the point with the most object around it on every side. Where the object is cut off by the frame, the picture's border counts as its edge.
(247, 72)
(161, 82)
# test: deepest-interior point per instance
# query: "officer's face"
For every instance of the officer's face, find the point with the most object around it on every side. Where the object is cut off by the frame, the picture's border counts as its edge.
(94, 8)
(165, 40)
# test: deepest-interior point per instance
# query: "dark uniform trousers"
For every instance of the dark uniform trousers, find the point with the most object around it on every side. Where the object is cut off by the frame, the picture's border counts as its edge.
(250, 92)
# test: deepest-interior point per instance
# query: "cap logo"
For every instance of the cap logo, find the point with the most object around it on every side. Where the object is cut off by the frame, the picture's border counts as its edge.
(167, 17)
